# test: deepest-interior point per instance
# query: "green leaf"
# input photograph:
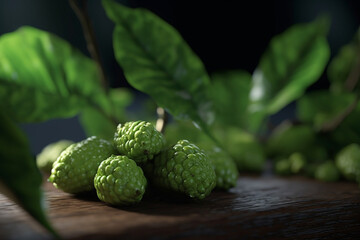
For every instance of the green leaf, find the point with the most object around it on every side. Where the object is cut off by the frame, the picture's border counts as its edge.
(343, 67)
(43, 77)
(230, 94)
(293, 61)
(97, 124)
(157, 61)
(18, 171)
(322, 106)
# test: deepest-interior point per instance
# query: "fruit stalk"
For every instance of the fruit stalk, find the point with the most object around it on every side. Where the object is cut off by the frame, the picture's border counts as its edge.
(162, 119)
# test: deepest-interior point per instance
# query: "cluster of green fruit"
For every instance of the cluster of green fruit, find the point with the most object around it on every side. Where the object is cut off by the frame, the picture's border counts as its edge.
(346, 164)
(120, 170)
(245, 150)
(297, 150)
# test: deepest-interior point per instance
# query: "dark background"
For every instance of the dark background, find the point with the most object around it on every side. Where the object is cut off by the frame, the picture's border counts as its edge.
(225, 34)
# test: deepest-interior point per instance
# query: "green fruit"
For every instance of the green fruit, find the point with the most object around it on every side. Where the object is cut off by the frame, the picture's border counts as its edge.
(183, 168)
(348, 162)
(138, 140)
(50, 153)
(297, 162)
(119, 181)
(75, 168)
(327, 172)
(225, 169)
(247, 153)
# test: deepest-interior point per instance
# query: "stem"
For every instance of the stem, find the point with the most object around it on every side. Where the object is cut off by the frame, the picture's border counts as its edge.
(335, 122)
(81, 12)
(162, 119)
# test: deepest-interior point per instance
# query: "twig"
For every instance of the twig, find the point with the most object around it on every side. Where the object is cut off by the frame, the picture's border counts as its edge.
(162, 119)
(81, 13)
(335, 122)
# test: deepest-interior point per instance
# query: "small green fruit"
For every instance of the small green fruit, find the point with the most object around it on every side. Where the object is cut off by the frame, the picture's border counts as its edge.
(327, 172)
(75, 168)
(348, 162)
(225, 168)
(119, 181)
(50, 153)
(297, 162)
(183, 168)
(138, 140)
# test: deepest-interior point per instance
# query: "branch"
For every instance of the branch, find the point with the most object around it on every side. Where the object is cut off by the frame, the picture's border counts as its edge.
(162, 119)
(81, 12)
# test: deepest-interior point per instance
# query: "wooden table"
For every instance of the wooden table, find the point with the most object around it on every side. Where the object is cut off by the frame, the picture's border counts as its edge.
(259, 207)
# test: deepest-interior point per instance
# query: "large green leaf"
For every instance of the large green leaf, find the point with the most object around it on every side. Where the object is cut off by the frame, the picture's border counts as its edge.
(322, 106)
(344, 66)
(18, 171)
(97, 124)
(293, 61)
(43, 77)
(230, 94)
(157, 61)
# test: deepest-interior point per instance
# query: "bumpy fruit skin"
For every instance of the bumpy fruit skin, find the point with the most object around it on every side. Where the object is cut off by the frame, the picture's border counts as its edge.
(225, 169)
(75, 168)
(183, 168)
(348, 162)
(327, 172)
(49, 154)
(138, 140)
(119, 181)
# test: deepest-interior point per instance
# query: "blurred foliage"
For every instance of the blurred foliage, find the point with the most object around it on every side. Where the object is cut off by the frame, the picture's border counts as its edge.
(42, 77)
(293, 61)
(343, 65)
(229, 92)
(95, 123)
(318, 107)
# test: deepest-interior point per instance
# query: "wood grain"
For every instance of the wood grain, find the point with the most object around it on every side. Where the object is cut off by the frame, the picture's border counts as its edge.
(259, 207)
